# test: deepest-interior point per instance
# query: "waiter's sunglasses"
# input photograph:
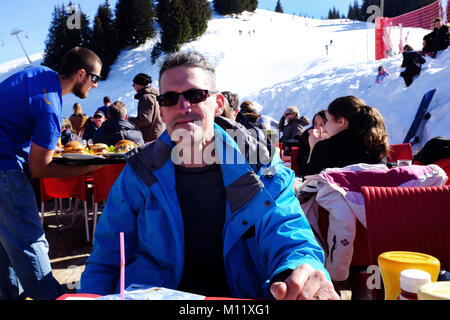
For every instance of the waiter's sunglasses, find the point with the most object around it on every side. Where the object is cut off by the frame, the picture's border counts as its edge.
(170, 98)
(94, 78)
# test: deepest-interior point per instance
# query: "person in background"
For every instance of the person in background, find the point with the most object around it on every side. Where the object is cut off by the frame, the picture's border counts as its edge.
(319, 121)
(291, 126)
(356, 134)
(117, 127)
(148, 118)
(412, 64)
(67, 134)
(93, 125)
(209, 225)
(438, 39)
(248, 110)
(105, 108)
(233, 101)
(77, 119)
(30, 127)
(382, 73)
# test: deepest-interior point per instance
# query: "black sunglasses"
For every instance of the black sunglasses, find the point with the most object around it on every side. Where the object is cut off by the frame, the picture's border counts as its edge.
(95, 78)
(170, 98)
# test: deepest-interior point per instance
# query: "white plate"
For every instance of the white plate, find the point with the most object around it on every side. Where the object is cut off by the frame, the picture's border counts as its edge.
(80, 156)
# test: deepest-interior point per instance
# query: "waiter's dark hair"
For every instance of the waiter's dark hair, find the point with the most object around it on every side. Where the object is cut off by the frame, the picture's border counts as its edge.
(76, 59)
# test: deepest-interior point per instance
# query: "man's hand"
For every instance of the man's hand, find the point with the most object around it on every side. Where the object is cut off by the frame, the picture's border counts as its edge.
(304, 283)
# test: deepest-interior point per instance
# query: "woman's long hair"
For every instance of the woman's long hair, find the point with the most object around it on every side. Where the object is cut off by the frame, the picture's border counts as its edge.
(366, 123)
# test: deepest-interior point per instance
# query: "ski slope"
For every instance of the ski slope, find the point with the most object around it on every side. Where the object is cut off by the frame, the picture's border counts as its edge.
(278, 60)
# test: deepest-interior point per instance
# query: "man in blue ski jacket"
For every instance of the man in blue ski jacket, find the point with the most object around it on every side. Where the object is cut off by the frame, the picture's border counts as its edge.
(203, 209)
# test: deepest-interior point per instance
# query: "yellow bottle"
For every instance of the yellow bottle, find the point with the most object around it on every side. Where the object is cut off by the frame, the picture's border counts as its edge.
(392, 263)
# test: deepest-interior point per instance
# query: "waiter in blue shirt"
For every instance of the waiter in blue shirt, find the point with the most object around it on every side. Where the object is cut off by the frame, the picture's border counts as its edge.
(30, 127)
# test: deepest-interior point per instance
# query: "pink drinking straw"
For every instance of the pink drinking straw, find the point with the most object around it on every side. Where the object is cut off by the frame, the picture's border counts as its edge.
(122, 267)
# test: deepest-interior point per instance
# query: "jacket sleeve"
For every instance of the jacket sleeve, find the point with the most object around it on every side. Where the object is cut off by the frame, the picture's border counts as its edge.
(404, 63)
(421, 59)
(102, 272)
(146, 108)
(285, 238)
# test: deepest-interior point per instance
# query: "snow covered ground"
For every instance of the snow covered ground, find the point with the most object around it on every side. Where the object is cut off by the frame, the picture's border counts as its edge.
(278, 60)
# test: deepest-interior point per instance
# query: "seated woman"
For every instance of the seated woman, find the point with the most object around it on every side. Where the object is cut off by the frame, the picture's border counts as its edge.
(356, 134)
(318, 122)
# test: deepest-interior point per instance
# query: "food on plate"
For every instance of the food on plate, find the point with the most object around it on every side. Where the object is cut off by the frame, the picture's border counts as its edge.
(124, 146)
(99, 149)
(74, 147)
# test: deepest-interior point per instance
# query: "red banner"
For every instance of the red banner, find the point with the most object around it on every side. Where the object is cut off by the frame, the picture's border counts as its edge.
(420, 18)
(383, 45)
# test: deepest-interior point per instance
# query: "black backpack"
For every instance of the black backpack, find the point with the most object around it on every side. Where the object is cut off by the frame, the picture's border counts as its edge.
(435, 149)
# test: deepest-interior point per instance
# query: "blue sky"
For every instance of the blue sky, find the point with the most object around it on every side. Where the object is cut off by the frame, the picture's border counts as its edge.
(33, 18)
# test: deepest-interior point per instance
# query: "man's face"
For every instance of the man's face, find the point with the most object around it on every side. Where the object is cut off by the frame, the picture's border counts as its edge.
(98, 120)
(438, 24)
(84, 81)
(193, 121)
(137, 87)
(288, 115)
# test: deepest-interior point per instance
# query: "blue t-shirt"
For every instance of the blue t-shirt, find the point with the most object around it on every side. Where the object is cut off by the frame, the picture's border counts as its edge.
(30, 111)
(105, 110)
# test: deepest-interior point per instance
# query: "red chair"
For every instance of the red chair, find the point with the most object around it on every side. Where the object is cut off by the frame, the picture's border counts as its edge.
(294, 160)
(408, 219)
(445, 165)
(103, 180)
(71, 187)
(401, 151)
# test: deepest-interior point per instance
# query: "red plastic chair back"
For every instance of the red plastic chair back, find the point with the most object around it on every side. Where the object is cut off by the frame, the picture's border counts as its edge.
(445, 165)
(104, 178)
(71, 187)
(400, 151)
(294, 160)
(408, 219)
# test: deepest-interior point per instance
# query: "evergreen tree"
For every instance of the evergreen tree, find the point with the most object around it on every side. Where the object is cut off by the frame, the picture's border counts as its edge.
(180, 22)
(105, 42)
(350, 13)
(333, 13)
(251, 5)
(399, 7)
(135, 20)
(61, 38)
(199, 13)
(278, 7)
(354, 12)
(224, 7)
